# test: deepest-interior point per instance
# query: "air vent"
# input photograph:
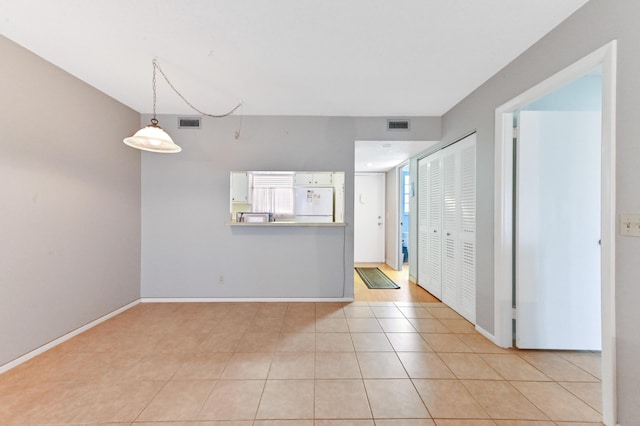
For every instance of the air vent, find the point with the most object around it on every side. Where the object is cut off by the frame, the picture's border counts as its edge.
(397, 124)
(188, 122)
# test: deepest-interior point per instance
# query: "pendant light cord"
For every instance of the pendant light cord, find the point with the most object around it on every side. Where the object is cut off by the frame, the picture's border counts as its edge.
(156, 65)
(154, 120)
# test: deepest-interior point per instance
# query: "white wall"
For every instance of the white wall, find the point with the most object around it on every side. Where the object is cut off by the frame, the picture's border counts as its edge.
(186, 245)
(70, 210)
(591, 27)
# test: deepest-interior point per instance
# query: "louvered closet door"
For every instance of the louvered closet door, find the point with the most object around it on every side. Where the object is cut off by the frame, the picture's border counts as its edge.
(447, 245)
(423, 225)
(430, 224)
(435, 225)
(467, 228)
(450, 257)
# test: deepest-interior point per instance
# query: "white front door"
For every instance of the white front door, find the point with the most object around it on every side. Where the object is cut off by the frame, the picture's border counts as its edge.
(369, 218)
(558, 230)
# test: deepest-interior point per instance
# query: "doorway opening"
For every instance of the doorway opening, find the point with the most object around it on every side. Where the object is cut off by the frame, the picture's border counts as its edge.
(504, 247)
(389, 159)
(405, 201)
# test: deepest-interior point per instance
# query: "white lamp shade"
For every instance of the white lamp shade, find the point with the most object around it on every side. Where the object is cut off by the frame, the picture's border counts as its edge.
(152, 138)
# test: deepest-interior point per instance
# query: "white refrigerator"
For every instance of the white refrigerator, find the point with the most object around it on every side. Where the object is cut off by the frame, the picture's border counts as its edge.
(313, 204)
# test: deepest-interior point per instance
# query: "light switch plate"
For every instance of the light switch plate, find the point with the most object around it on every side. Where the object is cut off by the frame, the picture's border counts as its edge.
(630, 225)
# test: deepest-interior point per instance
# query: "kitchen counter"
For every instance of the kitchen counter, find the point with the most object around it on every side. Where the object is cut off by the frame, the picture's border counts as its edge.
(330, 224)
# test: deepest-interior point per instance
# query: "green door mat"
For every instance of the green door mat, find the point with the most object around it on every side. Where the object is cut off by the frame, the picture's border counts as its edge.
(375, 278)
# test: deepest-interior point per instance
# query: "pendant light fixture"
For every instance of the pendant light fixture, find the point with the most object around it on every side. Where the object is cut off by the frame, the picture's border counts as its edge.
(153, 138)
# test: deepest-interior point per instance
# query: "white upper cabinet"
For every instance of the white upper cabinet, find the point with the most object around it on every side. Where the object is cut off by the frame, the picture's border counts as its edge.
(239, 187)
(313, 179)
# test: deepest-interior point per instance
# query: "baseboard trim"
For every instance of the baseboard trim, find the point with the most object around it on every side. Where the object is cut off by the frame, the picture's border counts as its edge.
(242, 299)
(26, 357)
(486, 334)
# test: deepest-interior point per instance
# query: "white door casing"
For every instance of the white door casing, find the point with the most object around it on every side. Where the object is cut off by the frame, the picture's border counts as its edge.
(369, 217)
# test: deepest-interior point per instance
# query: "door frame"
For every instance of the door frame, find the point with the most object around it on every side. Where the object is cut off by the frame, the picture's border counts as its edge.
(503, 209)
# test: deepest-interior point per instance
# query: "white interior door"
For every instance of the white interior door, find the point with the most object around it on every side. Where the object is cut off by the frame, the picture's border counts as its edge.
(435, 226)
(447, 225)
(558, 231)
(430, 224)
(450, 201)
(423, 226)
(369, 218)
(467, 228)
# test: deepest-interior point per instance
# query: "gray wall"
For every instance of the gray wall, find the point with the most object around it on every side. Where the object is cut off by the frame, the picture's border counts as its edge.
(70, 210)
(594, 25)
(186, 245)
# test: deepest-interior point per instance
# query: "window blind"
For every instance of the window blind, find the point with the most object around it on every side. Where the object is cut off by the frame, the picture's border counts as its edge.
(273, 193)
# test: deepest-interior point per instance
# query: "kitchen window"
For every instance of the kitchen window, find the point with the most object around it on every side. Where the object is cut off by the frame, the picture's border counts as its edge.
(272, 192)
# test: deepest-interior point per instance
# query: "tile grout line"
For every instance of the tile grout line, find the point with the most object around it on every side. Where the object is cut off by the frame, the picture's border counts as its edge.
(599, 410)
(350, 333)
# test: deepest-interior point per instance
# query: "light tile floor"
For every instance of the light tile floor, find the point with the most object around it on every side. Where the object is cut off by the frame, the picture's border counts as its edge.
(307, 364)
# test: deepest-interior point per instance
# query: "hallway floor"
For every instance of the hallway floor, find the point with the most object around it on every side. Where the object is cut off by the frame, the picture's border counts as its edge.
(303, 364)
(408, 291)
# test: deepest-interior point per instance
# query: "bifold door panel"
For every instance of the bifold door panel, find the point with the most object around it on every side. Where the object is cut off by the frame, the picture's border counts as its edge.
(447, 225)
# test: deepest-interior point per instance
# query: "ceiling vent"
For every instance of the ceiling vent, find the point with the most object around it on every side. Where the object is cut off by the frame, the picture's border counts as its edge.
(397, 124)
(188, 122)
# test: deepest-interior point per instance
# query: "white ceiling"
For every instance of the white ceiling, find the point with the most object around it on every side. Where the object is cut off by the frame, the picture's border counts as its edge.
(380, 156)
(385, 58)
